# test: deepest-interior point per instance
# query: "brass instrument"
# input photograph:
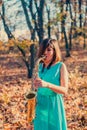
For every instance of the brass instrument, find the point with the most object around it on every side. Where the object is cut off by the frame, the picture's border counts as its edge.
(31, 96)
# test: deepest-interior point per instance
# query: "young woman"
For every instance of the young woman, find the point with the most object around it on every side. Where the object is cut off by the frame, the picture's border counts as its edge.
(51, 85)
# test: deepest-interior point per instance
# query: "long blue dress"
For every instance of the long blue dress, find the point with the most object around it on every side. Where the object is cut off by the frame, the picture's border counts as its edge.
(50, 113)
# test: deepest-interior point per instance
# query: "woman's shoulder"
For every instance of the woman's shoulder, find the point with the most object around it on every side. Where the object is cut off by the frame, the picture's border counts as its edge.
(64, 67)
(57, 65)
(61, 65)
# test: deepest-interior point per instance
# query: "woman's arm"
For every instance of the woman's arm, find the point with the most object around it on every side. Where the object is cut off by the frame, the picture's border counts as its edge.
(62, 89)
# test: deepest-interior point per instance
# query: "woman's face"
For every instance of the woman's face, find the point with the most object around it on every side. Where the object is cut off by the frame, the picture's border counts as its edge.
(49, 52)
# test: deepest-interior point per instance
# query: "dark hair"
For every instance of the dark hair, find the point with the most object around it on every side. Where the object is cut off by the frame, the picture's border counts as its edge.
(54, 44)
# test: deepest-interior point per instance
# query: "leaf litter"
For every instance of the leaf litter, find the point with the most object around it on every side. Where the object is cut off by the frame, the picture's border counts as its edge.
(14, 84)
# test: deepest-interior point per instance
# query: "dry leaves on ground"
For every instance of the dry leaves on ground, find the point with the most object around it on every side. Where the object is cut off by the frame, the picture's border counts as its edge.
(14, 84)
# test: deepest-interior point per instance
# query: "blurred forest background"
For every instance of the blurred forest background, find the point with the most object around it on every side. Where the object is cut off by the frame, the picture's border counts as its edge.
(23, 26)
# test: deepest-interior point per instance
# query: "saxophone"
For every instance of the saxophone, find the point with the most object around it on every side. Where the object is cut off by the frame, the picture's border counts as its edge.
(31, 96)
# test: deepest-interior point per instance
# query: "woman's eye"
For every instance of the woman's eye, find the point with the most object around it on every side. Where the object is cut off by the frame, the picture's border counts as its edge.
(49, 49)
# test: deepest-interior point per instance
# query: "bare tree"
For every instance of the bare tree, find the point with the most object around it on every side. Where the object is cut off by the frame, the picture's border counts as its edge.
(64, 31)
(85, 26)
(37, 16)
(80, 13)
(6, 27)
(37, 26)
(32, 30)
(49, 21)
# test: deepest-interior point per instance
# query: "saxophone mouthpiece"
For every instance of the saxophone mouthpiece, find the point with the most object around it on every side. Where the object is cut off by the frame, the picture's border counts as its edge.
(43, 56)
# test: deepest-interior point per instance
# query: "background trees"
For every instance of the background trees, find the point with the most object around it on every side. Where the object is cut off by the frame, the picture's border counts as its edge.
(64, 19)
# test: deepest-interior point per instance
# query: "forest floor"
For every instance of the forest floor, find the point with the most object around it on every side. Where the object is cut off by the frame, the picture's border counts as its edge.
(14, 84)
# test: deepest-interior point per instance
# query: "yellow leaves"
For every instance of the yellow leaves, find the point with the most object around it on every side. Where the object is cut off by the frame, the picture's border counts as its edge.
(61, 16)
(1, 43)
(7, 126)
(84, 84)
(12, 44)
(76, 102)
(4, 95)
(1, 46)
(24, 43)
(5, 98)
(14, 85)
(1, 121)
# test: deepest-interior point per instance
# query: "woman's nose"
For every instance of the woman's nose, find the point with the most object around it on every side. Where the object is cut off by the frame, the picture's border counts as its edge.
(45, 52)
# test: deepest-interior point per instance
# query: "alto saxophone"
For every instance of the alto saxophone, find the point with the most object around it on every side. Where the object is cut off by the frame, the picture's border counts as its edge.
(31, 96)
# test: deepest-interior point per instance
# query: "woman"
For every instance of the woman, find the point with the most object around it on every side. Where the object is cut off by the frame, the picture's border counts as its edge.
(51, 85)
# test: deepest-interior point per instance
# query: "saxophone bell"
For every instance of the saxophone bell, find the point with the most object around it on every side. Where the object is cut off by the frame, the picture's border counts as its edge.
(31, 103)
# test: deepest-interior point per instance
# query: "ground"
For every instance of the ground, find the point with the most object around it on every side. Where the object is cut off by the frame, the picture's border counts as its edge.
(14, 84)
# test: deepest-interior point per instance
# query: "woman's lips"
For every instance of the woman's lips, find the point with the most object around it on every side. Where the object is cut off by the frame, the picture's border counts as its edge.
(45, 57)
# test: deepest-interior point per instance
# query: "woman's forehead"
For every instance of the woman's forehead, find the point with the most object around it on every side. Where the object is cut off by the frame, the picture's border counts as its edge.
(50, 46)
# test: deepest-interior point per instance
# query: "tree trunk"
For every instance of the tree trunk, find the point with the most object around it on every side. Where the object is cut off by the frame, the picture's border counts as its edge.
(49, 28)
(80, 14)
(6, 28)
(39, 26)
(64, 31)
(66, 43)
(32, 30)
(85, 25)
(32, 50)
(70, 34)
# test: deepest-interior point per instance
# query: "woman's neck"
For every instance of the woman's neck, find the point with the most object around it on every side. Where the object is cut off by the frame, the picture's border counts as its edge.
(48, 63)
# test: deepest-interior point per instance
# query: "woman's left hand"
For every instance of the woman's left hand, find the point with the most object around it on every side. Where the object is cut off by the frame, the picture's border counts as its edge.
(38, 83)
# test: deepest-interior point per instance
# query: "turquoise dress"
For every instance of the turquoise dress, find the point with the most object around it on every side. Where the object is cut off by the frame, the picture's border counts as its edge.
(50, 114)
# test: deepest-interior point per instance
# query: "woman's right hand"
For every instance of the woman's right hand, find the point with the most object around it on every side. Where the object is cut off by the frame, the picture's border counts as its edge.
(39, 83)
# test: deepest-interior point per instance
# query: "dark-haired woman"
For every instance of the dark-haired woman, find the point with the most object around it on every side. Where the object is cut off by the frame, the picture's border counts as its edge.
(51, 85)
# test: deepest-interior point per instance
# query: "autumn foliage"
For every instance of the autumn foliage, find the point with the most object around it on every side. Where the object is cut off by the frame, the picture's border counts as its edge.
(14, 84)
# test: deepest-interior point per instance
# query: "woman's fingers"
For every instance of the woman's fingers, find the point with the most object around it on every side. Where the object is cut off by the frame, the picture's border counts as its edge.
(37, 82)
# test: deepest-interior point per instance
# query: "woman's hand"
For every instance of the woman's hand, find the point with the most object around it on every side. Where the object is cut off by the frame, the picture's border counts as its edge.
(38, 83)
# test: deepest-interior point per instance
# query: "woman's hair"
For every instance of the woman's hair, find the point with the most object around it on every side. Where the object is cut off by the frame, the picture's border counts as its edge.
(54, 44)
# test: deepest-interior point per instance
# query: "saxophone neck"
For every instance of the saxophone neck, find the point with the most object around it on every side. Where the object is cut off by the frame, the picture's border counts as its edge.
(41, 58)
